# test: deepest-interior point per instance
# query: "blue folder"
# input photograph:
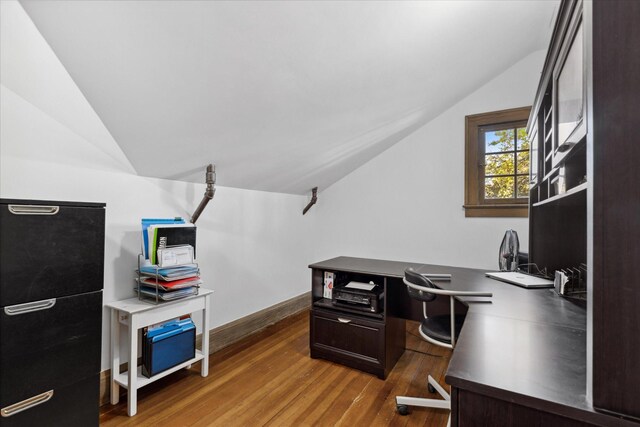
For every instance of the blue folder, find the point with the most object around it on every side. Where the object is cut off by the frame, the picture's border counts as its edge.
(168, 346)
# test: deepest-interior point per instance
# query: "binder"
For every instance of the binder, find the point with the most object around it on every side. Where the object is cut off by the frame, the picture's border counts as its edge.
(161, 236)
(167, 346)
(147, 222)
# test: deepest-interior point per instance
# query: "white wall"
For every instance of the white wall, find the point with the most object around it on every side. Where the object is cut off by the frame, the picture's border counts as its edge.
(253, 247)
(53, 147)
(406, 204)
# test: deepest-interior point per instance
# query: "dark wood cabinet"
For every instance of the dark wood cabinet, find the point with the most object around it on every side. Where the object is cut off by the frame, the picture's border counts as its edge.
(585, 202)
(480, 410)
(51, 279)
(351, 340)
(371, 342)
(616, 205)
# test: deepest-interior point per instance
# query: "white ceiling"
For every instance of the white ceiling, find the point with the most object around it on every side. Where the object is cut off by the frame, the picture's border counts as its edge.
(281, 96)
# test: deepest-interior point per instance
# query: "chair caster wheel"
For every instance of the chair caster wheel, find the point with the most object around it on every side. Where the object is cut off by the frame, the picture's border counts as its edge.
(402, 409)
(431, 388)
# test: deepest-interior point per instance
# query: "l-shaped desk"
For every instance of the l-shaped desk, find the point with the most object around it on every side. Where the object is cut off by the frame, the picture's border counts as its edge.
(519, 360)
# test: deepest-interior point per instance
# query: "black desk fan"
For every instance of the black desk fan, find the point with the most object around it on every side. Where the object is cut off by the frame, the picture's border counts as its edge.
(509, 251)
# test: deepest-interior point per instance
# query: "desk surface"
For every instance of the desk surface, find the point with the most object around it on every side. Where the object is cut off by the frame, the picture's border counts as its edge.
(525, 342)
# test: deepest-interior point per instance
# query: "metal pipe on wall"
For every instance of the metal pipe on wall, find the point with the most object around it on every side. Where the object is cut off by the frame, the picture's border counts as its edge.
(314, 199)
(210, 179)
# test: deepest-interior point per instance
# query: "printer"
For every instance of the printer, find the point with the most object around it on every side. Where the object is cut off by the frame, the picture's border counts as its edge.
(360, 296)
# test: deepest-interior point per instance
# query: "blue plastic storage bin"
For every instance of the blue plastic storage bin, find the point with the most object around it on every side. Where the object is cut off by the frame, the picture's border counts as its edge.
(168, 346)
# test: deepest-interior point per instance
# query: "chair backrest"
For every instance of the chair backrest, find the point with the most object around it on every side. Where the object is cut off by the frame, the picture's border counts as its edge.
(417, 279)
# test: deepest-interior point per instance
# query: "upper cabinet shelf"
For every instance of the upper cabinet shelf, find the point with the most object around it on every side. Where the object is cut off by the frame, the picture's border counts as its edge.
(559, 163)
(571, 192)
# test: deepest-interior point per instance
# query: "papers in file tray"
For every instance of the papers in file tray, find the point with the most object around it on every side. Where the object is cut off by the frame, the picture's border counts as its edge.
(169, 274)
(173, 256)
(167, 295)
(174, 285)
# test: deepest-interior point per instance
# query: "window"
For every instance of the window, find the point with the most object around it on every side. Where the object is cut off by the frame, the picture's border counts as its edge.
(497, 164)
(506, 162)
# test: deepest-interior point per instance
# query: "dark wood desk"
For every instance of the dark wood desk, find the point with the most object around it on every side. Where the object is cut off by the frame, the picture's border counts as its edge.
(520, 359)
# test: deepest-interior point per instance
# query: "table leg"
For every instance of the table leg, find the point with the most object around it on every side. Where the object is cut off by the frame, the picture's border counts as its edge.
(205, 338)
(115, 356)
(132, 389)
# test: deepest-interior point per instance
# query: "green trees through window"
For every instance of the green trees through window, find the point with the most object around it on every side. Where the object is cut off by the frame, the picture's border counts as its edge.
(506, 162)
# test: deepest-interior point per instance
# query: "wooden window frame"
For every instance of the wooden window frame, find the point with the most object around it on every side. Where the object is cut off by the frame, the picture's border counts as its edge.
(474, 203)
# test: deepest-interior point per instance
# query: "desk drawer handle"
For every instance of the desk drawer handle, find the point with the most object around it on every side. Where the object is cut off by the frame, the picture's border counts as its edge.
(33, 210)
(29, 307)
(27, 404)
(341, 320)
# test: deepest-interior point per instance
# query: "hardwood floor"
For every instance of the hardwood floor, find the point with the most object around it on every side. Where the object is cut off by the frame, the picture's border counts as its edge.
(269, 379)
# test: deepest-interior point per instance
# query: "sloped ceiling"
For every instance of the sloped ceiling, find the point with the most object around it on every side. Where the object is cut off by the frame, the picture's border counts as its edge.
(281, 96)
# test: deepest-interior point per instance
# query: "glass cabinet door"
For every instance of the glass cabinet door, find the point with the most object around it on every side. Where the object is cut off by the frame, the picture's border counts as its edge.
(569, 95)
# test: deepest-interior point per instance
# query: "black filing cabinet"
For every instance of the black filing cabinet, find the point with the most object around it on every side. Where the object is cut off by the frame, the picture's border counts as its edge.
(51, 279)
(349, 339)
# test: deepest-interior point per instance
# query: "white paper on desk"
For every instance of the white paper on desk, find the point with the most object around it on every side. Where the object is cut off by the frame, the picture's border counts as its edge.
(361, 285)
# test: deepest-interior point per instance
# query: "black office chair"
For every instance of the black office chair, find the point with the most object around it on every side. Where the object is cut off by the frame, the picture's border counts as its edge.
(440, 330)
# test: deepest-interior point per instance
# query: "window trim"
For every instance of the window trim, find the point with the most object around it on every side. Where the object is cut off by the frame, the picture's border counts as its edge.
(473, 204)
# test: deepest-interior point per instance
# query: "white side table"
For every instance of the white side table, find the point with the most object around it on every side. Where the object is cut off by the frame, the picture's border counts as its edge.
(132, 315)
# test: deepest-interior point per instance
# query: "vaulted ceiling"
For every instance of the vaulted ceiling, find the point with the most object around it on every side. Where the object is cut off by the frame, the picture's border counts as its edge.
(280, 96)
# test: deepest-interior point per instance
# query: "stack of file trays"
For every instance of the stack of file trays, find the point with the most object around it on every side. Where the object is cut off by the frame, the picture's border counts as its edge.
(166, 346)
(167, 269)
(168, 284)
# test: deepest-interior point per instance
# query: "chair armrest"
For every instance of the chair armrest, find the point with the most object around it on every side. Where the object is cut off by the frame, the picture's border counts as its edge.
(437, 276)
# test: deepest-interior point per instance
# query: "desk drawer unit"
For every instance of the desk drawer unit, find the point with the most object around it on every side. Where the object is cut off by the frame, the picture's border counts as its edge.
(349, 340)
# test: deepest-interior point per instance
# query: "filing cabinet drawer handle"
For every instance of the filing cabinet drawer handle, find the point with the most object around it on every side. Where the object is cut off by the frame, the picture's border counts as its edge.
(27, 404)
(33, 210)
(342, 320)
(29, 307)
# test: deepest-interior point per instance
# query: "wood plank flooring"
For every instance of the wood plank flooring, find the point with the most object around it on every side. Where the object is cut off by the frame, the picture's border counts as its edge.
(269, 379)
